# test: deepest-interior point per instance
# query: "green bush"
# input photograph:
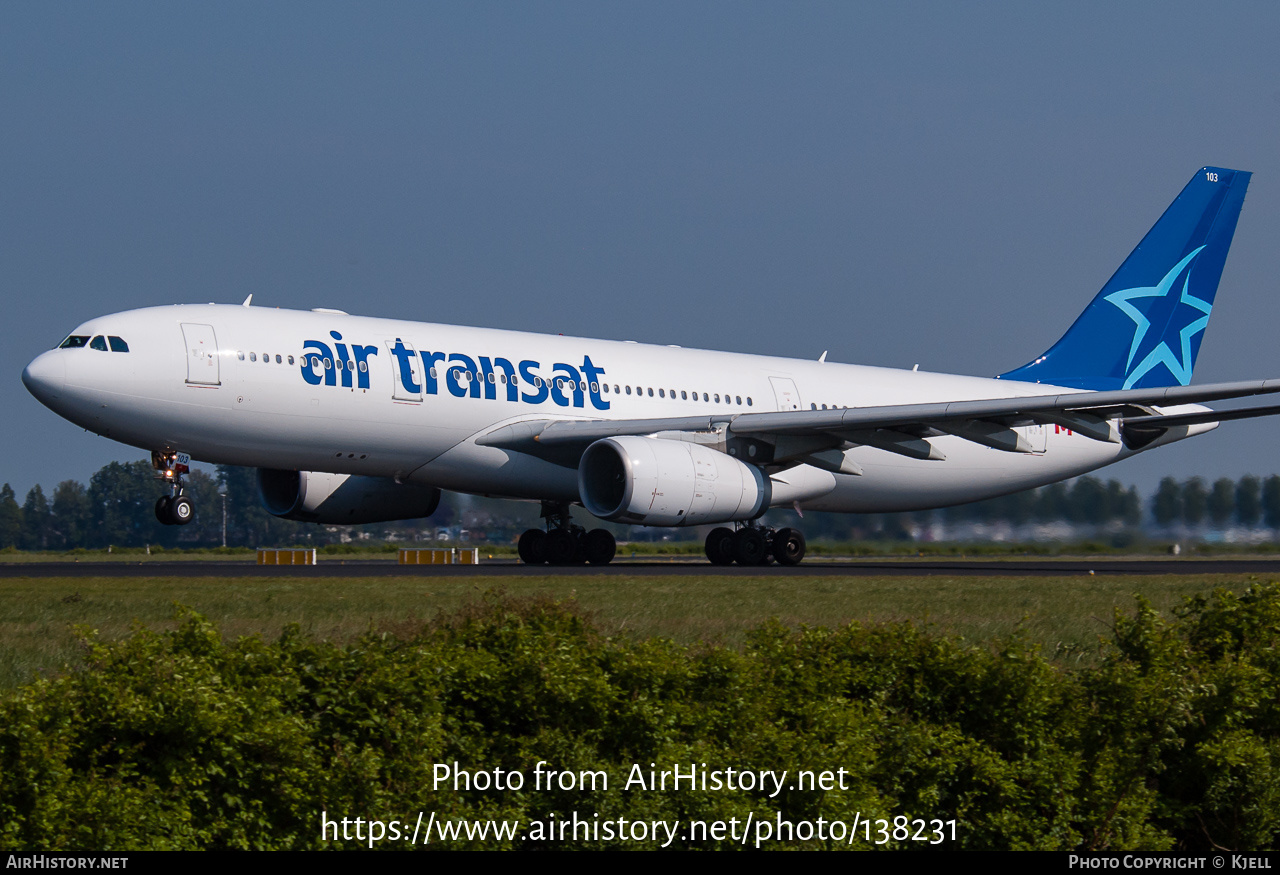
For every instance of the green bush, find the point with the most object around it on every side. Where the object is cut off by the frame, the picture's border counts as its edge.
(183, 740)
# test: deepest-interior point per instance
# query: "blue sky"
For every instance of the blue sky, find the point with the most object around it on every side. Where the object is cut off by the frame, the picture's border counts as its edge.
(933, 183)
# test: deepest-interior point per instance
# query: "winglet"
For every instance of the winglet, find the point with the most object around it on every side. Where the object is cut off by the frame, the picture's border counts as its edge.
(1143, 330)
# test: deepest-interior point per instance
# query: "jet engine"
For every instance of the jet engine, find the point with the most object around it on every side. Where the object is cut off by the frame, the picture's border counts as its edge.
(653, 482)
(342, 499)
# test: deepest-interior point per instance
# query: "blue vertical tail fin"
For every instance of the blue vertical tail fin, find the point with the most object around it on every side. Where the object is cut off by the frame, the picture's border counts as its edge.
(1143, 330)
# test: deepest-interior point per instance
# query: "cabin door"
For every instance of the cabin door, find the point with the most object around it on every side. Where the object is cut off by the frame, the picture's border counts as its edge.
(202, 354)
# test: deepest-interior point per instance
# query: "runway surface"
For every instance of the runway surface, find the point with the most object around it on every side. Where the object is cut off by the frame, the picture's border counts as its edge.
(656, 568)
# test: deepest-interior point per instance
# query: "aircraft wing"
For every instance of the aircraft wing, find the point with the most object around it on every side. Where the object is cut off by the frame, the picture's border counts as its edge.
(1114, 415)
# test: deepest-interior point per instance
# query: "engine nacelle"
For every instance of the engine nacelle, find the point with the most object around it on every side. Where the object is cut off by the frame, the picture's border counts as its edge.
(342, 499)
(653, 482)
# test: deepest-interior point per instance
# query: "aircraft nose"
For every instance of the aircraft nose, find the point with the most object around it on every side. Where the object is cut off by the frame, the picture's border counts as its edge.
(46, 376)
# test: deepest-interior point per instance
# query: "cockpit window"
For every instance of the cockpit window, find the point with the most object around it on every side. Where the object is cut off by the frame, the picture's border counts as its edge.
(98, 342)
(75, 341)
(117, 344)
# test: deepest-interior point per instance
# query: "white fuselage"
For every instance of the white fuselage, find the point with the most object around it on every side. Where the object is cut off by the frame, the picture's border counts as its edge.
(406, 400)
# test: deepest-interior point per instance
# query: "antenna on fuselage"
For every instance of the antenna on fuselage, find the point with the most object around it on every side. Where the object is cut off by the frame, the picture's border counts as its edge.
(248, 301)
(823, 357)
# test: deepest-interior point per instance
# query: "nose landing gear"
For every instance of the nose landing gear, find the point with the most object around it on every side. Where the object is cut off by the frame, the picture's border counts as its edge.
(174, 509)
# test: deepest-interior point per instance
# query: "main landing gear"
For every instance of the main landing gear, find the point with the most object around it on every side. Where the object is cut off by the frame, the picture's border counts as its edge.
(174, 509)
(564, 543)
(755, 545)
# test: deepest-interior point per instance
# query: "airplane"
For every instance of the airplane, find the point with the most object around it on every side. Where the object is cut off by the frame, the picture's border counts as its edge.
(351, 419)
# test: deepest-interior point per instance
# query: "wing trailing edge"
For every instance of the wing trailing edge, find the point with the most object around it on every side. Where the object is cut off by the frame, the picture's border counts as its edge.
(904, 429)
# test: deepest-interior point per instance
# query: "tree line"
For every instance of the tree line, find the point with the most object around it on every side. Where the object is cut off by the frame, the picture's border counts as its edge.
(1249, 502)
(117, 508)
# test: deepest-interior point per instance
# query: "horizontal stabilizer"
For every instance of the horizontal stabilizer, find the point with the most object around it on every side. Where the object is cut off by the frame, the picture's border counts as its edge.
(1167, 420)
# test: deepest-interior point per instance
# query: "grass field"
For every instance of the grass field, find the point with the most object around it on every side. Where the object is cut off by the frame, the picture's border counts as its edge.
(907, 549)
(1065, 615)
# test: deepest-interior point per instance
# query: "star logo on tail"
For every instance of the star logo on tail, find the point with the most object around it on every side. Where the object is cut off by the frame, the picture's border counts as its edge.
(1161, 354)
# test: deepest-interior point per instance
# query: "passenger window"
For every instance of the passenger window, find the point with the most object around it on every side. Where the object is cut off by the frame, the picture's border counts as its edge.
(290, 359)
(98, 343)
(117, 344)
(253, 356)
(240, 355)
(628, 390)
(684, 395)
(605, 387)
(279, 360)
(737, 399)
(662, 393)
(717, 397)
(704, 397)
(748, 400)
(75, 341)
(650, 391)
